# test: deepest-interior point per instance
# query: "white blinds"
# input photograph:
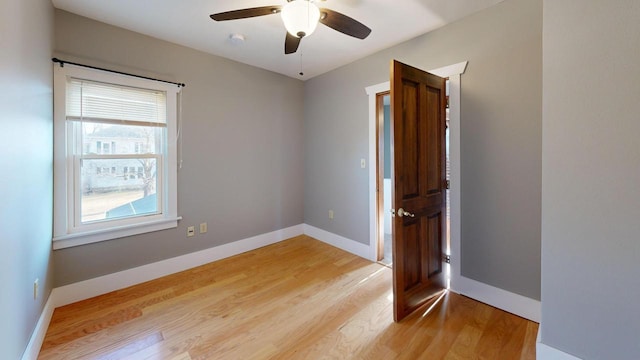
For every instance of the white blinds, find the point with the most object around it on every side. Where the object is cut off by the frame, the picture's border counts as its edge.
(101, 102)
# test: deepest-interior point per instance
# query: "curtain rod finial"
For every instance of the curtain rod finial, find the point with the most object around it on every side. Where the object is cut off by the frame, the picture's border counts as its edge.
(56, 60)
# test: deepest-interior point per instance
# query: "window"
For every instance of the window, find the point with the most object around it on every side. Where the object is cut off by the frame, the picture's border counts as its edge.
(114, 191)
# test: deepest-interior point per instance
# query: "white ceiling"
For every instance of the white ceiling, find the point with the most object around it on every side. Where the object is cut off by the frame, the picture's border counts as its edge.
(187, 22)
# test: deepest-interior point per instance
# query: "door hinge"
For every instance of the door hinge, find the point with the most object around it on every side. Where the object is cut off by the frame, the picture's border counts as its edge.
(447, 184)
(446, 258)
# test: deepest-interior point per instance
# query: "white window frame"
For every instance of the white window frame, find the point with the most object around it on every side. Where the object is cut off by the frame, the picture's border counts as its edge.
(65, 233)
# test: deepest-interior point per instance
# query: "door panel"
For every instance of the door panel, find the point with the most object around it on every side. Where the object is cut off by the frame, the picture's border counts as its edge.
(412, 257)
(408, 132)
(432, 153)
(418, 105)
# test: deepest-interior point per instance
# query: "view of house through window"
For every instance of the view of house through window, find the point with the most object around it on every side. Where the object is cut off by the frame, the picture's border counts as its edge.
(119, 170)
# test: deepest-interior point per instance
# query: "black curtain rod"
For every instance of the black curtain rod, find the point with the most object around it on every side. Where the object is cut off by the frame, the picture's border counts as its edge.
(62, 62)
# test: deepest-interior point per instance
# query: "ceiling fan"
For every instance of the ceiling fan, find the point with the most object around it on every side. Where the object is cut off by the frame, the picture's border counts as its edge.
(300, 18)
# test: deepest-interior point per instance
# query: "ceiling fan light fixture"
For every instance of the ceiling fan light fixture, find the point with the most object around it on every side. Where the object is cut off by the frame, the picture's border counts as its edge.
(300, 17)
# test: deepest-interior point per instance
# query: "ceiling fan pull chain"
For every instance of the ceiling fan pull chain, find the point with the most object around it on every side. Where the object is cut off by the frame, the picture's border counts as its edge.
(301, 73)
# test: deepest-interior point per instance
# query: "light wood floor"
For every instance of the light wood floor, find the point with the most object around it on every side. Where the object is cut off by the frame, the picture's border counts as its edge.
(298, 299)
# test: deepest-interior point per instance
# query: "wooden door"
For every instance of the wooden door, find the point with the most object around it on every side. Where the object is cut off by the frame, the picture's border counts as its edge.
(418, 108)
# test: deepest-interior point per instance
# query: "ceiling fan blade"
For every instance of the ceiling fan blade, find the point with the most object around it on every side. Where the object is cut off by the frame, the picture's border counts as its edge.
(344, 24)
(246, 13)
(291, 44)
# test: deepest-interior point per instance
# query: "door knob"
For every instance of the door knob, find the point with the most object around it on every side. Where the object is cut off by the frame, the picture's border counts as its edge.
(402, 212)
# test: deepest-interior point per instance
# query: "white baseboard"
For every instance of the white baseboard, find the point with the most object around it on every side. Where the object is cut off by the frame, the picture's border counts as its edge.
(496, 297)
(338, 241)
(546, 352)
(37, 337)
(101, 285)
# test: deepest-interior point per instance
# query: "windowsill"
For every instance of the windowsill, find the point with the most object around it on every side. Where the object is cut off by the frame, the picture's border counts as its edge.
(83, 238)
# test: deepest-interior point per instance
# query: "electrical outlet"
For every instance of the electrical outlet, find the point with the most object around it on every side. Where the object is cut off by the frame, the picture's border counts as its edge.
(331, 214)
(363, 163)
(203, 228)
(191, 230)
(35, 289)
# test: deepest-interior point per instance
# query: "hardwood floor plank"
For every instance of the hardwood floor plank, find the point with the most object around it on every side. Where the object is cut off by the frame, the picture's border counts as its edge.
(529, 343)
(465, 344)
(297, 299)
(131, 347)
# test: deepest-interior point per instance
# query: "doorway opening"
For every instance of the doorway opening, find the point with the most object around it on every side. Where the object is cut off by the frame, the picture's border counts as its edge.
(385, 173)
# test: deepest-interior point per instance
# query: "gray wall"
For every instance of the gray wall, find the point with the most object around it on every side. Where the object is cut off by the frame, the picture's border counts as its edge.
(591, 178)
(242, 150)
(500, 130)
(26, 188)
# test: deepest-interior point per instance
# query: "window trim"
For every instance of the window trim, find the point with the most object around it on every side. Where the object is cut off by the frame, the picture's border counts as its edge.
(64, 235)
